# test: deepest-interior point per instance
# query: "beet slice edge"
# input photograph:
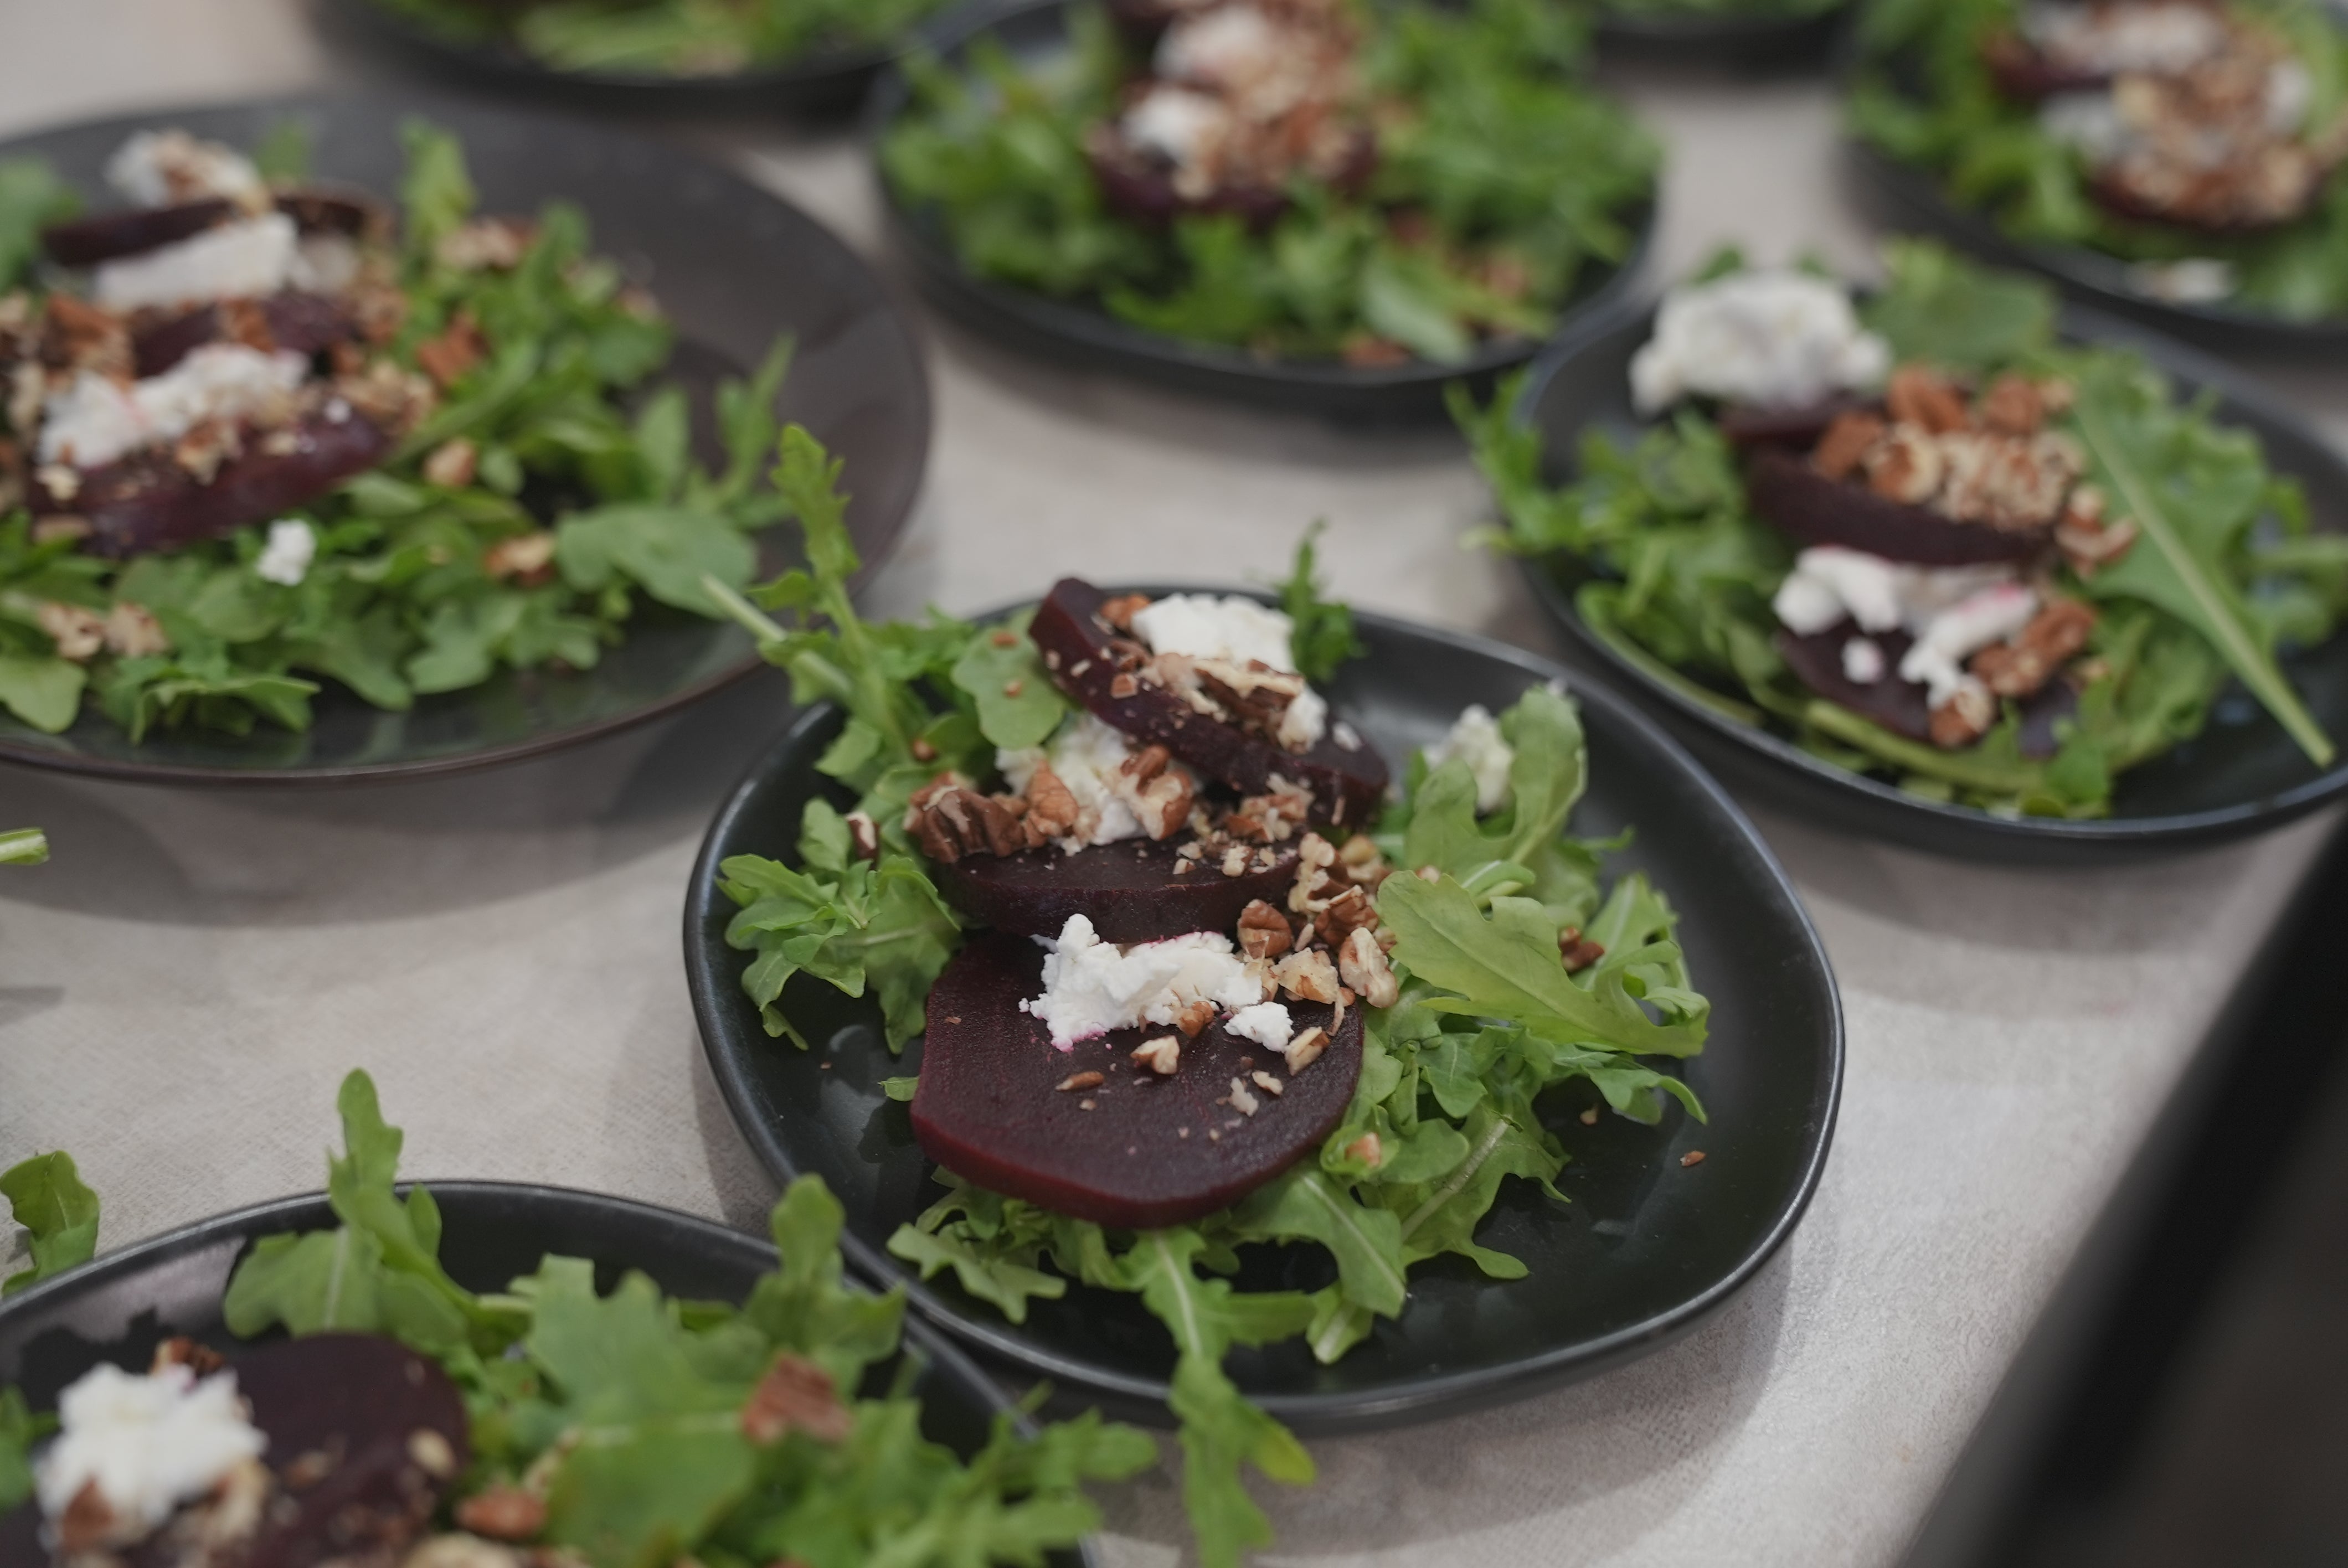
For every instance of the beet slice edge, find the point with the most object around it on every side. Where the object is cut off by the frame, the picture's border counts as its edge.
(1131, 892)
(1152, 1151)
(1901, 706)
(1793, 498)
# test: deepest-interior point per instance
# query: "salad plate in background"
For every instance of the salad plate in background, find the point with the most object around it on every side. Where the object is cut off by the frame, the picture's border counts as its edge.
(803, 57)
(1741, 34)
(2153, 661)
(1267, 1182)
(607, 293)
(468, 1373)
(2174, 160)
(1299, 204)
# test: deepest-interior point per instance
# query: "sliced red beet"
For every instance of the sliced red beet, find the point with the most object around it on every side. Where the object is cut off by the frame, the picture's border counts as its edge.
(1749, 427)
(333, 209)
(1348, 785)
(103, 236)
(1139, 187)
(1131, 892)
(1796, 499)
(1901, 706)
(147, 502)
(1152, 1151)
(299, 322)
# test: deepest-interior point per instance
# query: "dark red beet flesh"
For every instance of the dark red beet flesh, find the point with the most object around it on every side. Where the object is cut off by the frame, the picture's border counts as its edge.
(989, 1108)
(1795, 499)
(1901, 706)
(325, 209)
(1749, 427)
(147, 502)
(1131, 892)
(299, 322)
(1139, 187)
(1347, 785)
(342, 1412)
(103, 236)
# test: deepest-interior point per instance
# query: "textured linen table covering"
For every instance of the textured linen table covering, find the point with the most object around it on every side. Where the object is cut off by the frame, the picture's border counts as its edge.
(182, 987)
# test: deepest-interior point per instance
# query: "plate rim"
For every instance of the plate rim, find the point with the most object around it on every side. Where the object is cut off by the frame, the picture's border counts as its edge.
(922, 409)
(1213, 371)
(2105, 835)
(708, 972)
(278, 1216)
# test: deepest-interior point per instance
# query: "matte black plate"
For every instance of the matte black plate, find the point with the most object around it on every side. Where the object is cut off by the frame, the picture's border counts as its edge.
(1087, 337)
(1738, 42)
(1906, 197)
(827, 83)
(1645, 1250)
(733, 266)
(2242, 775)
(121, 1307)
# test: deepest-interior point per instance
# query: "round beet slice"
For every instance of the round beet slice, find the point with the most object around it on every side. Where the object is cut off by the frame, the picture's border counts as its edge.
(132, 230)
(1132, 892)
(1151, 1150)
(1080, 649)
(1795, 499)
(1901, 706)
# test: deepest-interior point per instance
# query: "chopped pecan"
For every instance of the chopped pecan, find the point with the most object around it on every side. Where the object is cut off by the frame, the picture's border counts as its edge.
(1120, 611)
(1303, 1050)
(2013, 406)
(528, 559)
(2089, 540)
(132, 631)
(78, 633)
(1349, 911)
(75, 336)
(2019, 666)
(795, 1395)
(1308, 975)
(1162, 1056)
(457, 349)
(1921, 396)
(1193, 1020)
(1905, 465)
(1367, 1150)
(1254, 695)
(89, 1520)
(56, 525)
(182, 1351)
(864, 835)
(1052, 809)
(1578, 950)
(1845, 441)
(453, 463)
(950, 820)
(1964, 718)
(1240, 1099)
(493, 243)
(503, 1514)
(1263, 931)
(1364, 965)
(396, 399)
(1158, 794)
(1080, 1081)
(2006, 481)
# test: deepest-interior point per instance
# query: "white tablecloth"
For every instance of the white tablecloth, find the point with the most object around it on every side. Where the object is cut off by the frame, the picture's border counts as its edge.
(181, 988)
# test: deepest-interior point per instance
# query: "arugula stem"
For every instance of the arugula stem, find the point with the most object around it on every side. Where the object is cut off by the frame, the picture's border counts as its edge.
(24, 846)
(1954, 767)
(751, 619)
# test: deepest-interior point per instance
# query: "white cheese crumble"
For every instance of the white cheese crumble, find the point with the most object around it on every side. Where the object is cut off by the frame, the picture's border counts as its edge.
(1177, 124)
(1226, 626)
(150, 1443)
(234, 261)
(93, 420)
(166, 168)
(1475, 738)
(2158, 38)
(1950, 613)
(1769, 337)
(1091, 987)
(1862, 661)
(1084, 754)
(1266, 1023)
(1226, 48)
(285, 558)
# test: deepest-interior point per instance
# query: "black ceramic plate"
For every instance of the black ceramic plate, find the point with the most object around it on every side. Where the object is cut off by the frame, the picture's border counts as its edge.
(1739, 42)
(827, 83)
(120, 1307)
(2241, 775)
(1087, 338)
(1904, 197)
(733, 266)
(1646, 1248)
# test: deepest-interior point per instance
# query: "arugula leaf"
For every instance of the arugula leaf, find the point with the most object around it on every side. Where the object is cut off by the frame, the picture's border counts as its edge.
(43, 691)
(852, 925)
(437, 194)
(1940, 308)
(18, 1430)
(24, 846)
(282, 154)
(805, 1305)
(45, 1195)
(1322, 635)
(670, 550)
(1018, 705)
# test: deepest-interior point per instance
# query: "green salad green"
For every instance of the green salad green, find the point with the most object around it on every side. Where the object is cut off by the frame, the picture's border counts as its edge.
(24, 846)
(1740, 9)
(58, 1212)
(669, 37)
(1456, 1075)
(579, 506)
(1680, 573)
(622, 1412)
(1503, 185)
(1924, 94)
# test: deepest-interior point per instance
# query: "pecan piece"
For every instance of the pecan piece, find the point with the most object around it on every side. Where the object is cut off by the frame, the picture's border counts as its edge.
(457, 349)
(2021, 666)
(950, 820)
(1364, 965)
(1305, 1050)
(1120, 611)
(1263, 931)
(503, 1514)
(132, 631)
(78, 633)
(1162, 1056)
(1924, 397)
(1158, 794)
(1964, 718)
(1578, 951)
(528, 559)
(1845, 442)
(1052, 809)
(453, 463)
(2013, 406)
(1906, 466)
(1308, 975)
(1347, 913)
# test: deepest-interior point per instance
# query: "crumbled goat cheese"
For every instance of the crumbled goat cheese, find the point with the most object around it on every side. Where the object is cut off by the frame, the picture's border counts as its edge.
(1084, 754)
(1862, 661)
(93, 420)
(1226, 626)
(1773, 338)
(324, 264)
(234, 261)
(1475, 738)
(1175, 123)
(166, 167)
(1225, 48)
(1266, 1023)
(286, 558)
(150, 1443)
(1091, 987)
(2160, 38)
(1950, 613)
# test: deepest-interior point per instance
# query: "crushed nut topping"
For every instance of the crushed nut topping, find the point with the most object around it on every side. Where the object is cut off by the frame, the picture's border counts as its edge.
(1162, 1056)
(1692, 1157)
(453, 463)
(1367, 1150)
(1994, 464)
(1159, 796)
(503, 1514)
(1079, 1081)
(1304, 1050)
(795, 1395)
(1263, 931)
(1193, 1020)
(1964, 718)
(2025, 662)
(1364, 965)
(1241, 1100)
(1578, 951)
(78, 633)
(528, 559)
(950, 820)
(132, 631)
(1307, 976)
(1118, 612)
(1267, 1083)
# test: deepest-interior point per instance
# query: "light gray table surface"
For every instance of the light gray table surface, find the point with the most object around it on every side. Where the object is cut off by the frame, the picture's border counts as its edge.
(182, 987)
